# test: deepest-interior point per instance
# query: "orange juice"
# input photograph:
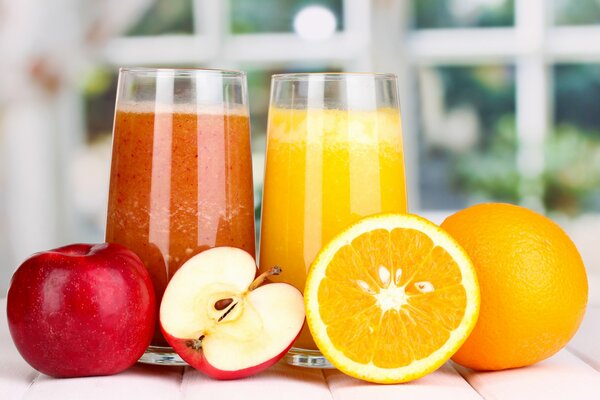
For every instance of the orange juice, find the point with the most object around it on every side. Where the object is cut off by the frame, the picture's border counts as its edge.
(325, 169)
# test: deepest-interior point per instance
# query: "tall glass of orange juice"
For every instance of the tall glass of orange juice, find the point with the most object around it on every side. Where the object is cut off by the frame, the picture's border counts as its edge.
(334, 155)
(181, 175)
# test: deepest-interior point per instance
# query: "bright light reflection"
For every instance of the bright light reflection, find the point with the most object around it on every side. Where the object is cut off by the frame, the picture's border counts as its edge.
(315, 23)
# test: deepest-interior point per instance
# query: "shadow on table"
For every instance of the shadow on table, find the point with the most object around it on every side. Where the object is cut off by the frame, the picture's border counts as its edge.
(154, 370)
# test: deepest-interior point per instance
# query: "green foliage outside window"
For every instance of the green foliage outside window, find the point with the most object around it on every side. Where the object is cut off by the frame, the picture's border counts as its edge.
(463, 13)
(259, 16)
(570, 182)
(165, 17)
(576, 12)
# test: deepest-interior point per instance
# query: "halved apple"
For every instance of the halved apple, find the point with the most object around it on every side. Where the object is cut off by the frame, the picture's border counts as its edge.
(219, 319)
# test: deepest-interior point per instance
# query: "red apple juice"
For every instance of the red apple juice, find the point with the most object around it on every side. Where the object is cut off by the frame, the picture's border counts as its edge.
(181, 183)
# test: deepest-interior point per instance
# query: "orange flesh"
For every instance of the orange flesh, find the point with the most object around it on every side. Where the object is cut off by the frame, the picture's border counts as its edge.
(391, 335)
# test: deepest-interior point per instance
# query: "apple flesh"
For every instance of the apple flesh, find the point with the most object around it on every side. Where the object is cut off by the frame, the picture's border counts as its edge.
(220, 321)
(81, 310)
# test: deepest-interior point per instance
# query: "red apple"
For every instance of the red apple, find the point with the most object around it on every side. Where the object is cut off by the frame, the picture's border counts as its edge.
(220, 321)
(81, 310)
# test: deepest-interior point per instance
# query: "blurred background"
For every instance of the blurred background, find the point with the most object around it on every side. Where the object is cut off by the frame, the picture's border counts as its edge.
(500, 98)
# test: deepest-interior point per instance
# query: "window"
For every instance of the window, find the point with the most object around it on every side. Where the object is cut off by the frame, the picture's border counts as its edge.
(495, 64)
(492, 91)
(573, 149)
(463, 13)
(165, 17)
(499, 100)
(467, 139)
(261, 37)
(261, 16)
(579, 12)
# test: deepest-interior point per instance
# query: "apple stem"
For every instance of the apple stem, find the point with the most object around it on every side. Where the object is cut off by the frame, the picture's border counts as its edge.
(195, 344)
(276, 270)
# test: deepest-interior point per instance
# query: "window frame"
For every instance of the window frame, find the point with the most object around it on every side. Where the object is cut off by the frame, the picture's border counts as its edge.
(533, 45)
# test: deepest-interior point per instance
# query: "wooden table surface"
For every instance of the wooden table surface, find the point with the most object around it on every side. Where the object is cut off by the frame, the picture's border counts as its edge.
(573, 373)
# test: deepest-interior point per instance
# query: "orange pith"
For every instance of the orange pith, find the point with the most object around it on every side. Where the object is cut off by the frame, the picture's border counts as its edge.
(392, 299)
(358, 334)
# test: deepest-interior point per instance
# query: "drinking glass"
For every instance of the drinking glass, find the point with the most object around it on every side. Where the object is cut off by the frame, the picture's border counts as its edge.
(334, 155)
(181, 174)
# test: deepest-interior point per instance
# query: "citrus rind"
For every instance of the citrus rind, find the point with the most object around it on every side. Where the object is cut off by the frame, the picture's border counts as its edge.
(418, 368)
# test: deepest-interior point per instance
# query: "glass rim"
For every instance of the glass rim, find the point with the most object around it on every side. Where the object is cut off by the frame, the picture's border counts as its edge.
(334, 76)
(232, 73)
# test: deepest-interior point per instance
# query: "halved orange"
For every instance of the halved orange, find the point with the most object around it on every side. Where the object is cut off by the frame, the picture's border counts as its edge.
(391, 298)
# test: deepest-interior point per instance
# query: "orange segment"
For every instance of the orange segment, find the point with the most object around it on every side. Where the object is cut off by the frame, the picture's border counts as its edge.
(391, 298)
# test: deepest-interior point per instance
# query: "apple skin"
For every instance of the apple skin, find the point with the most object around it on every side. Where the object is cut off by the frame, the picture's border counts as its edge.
(81, 310)
(222, 320)
(196, 359)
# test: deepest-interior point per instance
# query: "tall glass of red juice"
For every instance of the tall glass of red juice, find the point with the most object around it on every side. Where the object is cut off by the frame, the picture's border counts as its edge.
(181, 174)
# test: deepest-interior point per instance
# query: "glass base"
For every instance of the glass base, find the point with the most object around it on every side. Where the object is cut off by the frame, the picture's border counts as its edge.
(158, 355)
(307, 359)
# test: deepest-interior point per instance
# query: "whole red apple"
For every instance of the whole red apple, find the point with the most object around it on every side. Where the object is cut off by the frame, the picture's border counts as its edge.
(81, 310)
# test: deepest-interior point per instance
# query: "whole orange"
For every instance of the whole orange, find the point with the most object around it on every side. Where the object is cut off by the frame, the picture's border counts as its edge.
(532, 280)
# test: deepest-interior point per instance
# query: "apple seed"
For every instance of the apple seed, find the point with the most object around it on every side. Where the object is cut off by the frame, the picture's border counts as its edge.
(223, 304)
(228, 304)
(227, 312)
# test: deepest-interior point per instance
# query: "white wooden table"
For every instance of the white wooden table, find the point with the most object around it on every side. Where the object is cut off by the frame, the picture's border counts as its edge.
(573, 373)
